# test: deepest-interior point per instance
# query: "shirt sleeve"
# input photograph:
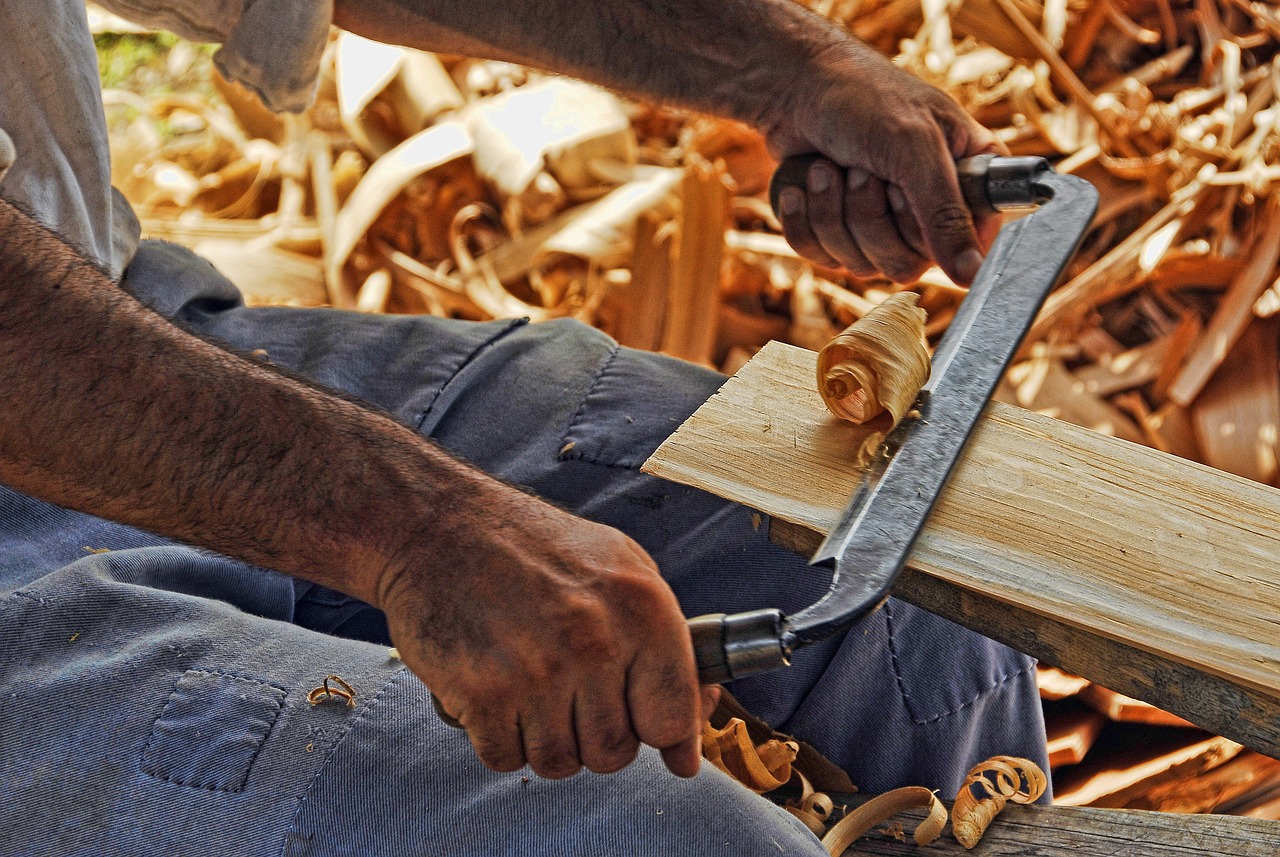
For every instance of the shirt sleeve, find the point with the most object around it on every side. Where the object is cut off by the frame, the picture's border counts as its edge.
(271, 46)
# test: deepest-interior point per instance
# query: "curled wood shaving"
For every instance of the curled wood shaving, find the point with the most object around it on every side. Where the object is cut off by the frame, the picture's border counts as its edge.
(880, 809)
(761, 768)
(1000, 779)
(334, 689)
(878, 364)
(813, 808)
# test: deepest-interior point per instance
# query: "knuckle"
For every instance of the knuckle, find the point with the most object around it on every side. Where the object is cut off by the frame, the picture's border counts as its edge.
(605, 737)
(609, 763)
(496, 748)
(950, 219)
(553, 761)
(640, 586)
(666, 732)
(860, 267)
(801, 237)
(479, 702)
(496, 757)
(904, 272)
(610, 750)
(667, 716)
(586, 622)
(592, 642)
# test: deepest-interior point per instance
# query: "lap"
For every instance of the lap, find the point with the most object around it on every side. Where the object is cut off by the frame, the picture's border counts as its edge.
(904, 698)
(139, 720)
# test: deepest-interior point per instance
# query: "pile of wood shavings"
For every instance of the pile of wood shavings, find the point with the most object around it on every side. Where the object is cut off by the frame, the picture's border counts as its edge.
(767, 766)
(403, 190)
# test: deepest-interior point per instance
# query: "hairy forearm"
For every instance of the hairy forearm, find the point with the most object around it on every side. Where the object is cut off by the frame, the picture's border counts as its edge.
(735, 57)
(108, 408)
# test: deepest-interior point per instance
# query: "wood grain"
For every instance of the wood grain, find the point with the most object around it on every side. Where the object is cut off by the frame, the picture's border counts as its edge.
(1153, 576)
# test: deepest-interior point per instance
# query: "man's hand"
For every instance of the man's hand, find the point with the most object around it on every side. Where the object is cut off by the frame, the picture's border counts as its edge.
(885, 198)
(552, 639)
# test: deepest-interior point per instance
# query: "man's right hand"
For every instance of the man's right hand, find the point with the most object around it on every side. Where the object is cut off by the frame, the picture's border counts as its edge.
(553, 640)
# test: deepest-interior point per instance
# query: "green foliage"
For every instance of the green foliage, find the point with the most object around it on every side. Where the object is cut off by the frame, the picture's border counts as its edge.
(153, 63)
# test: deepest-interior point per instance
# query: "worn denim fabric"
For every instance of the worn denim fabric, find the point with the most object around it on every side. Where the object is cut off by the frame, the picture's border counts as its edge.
(154, 696)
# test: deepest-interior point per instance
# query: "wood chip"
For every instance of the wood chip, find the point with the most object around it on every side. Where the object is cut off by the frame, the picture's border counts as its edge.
(878, 364)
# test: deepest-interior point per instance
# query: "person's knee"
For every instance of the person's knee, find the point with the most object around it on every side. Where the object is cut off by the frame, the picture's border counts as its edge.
(710, 813)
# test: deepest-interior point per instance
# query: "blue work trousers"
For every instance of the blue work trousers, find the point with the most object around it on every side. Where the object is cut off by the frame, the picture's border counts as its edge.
(153, 697)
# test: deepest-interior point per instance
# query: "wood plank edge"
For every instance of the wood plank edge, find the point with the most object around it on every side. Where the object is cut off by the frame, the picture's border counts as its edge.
(1212, 703)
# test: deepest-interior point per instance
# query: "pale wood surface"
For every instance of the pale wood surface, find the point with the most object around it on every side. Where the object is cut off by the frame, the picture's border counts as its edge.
(1148, 574)
(1053, 831)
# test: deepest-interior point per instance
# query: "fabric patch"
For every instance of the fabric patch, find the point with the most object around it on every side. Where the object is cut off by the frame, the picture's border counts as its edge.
(211, 730)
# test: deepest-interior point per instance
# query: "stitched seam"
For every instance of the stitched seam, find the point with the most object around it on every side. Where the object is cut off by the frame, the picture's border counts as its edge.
(581, 411)
(906, 697)
(571, 456)
(897, 667)
(1005, 679)
(240, 676)
(152, 768)
(331, 752)
(466, 361)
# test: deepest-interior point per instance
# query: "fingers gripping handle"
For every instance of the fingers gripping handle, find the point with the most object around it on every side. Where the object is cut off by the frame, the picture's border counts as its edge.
(725, 647)
(989, 183)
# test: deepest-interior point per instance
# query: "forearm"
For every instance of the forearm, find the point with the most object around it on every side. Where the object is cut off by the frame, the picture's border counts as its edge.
(734, 57)
(108, 408)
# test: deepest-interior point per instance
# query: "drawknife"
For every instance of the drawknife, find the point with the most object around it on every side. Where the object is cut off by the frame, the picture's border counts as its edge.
(868, 546)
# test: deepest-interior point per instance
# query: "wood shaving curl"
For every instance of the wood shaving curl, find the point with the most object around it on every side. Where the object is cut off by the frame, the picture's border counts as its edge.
(813, 808)
(878, 364)
(761, 768)
(883, 807)
(1000, 779)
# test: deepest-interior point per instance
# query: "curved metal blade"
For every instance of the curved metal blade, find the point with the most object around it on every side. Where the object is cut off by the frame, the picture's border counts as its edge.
(870, 543)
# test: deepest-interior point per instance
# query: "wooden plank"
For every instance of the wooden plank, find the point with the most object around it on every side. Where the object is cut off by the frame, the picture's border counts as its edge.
(1153, 576)
(694, 298)
(1236, 309)
(1237, 415)
(1058, 684)
(640, 317)
(1126, 709)
(1067, 831)
(1136, 761)
(1267, 806)
(1043, 385)
(1248, 773)
(1071, 727)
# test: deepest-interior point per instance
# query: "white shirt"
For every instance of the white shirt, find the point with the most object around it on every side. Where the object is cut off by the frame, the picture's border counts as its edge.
(51, 104)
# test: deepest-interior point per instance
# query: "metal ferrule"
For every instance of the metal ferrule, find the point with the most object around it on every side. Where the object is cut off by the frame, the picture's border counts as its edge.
(991, 183)
(732, 647)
